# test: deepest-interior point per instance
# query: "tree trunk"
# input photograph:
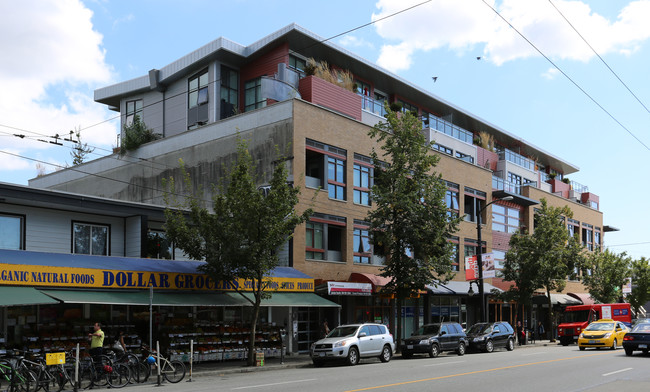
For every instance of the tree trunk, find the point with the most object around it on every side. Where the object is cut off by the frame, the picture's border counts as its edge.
(251, 339)
(398, 333)
(551, 317)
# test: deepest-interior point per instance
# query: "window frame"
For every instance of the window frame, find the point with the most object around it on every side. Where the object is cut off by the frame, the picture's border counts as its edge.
(361, 228)
(199, 89)
(507, 218)
(91, 247)
(362, 165)
(131, 113)
(22, 229)
(256, 89)
(478, 202)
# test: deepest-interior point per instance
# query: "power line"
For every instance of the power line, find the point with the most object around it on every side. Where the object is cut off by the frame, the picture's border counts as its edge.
(601, 59)
(567, 76)
(636, 243)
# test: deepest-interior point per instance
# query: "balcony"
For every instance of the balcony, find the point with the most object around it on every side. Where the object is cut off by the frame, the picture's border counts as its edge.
(503, 185)
(372, 105)
(447, 128)
(517, 159)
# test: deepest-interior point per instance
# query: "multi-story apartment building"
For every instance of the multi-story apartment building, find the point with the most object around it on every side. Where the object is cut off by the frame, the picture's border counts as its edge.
(201, 102)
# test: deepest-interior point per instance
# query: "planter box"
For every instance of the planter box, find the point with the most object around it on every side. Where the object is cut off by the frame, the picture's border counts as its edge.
(331, 96)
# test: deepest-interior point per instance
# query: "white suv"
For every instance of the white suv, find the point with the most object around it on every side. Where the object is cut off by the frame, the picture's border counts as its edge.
(352, 342)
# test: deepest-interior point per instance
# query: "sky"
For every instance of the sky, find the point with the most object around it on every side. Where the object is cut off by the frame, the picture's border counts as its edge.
(570, 77)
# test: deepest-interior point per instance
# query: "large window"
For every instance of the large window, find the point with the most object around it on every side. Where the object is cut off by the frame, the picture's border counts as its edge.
(362, 177)
(133, 109)
(499, 258)
(197, 99)
(12, 232)
(451, 199)
(474, 202)
(229, 92)
(362, 245)
(574, 228)
(297, 64)
(455, 264)
(325, 237)
(505, 219)
(597, 243)
(325, 164)
(588, 236)
(253, 95)
(407, 107)
(314, 241)
(158, 246)
(90, 239)
(336, 178)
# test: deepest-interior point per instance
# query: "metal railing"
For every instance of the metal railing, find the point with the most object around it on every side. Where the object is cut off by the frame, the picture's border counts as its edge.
(447, 128)
(373, 105)
(517, 159)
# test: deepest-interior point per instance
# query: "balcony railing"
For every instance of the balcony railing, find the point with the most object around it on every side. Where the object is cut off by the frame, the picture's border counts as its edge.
(447, 128)
(373, 105)
(577, 187)
(517, 159)
(503, 185)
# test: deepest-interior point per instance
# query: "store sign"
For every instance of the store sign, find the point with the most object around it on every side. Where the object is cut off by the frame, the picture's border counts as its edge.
(348, 288)
(47, 276)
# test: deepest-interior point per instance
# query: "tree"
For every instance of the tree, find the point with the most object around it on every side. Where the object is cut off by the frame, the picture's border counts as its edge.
(136, 134)
(604, 274)
(640, 284)
(80, 150)
(238, 238)
(544, 259)
(410, 221)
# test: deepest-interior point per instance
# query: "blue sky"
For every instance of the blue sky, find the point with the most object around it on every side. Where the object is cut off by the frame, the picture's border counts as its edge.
(55, 53)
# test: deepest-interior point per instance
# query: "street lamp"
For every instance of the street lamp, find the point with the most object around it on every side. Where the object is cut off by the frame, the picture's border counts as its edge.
(479, 258)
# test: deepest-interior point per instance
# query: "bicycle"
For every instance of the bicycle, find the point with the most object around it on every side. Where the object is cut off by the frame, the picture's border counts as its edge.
(19, 377)
(138, 370)
(172, 370)
(101, 371)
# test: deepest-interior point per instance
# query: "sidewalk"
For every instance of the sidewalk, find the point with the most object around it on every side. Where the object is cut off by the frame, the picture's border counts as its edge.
(291, 362)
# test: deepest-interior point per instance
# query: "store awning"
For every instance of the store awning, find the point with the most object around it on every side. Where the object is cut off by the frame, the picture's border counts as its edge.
(459, 288)
(557, 299)
(295, 299)
(199, 299)
(439, 289)
(99, 297)
(17, 296)
(584, 297)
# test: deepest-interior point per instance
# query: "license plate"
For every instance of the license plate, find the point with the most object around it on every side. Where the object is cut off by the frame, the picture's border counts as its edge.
(321, 354)
(593, 341)
(410, 347)
(643, 346)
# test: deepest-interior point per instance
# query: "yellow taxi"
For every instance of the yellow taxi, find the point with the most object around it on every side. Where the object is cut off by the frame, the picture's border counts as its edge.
(603, 333)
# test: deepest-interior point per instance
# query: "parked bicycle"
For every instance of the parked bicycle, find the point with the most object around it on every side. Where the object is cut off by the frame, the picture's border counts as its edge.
(172, 370)
(101, 371)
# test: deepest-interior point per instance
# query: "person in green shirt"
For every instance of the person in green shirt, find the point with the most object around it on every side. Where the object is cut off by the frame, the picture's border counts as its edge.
(96, 340)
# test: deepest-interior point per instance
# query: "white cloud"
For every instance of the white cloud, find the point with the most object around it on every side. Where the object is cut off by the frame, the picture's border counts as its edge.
(53, 59)
(461, 25)
(551, 73)
(352, 41)
(125, 19)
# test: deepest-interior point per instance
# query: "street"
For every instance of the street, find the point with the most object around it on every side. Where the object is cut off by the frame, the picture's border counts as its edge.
(543, 369)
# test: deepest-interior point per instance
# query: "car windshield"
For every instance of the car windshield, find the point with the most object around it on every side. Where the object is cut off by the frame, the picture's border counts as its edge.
(478, 329)
(644, 327)
(428, 330)
(600, 327)
(342, 332)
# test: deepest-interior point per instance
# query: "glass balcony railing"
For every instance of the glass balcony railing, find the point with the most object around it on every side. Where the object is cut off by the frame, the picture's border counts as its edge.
(373, 105)
(503, 185)
(578, 187)
(447, 128)
(517, 159)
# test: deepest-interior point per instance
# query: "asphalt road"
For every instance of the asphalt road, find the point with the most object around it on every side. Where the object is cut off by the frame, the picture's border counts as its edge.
(550, 368)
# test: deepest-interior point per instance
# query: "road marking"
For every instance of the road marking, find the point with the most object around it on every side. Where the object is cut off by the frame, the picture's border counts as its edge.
(528, 355)
(475, 372)
(618, 371)
(443, 363)
(277, 383)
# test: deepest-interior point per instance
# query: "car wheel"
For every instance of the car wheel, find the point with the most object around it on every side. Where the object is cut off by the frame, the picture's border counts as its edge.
(386, 353)
(353, 356)
(461, 349)
(489, 346)
(510, 345)
(581, 348)
(629, 352)
(614, 345)
(317, 363)
(434, 351)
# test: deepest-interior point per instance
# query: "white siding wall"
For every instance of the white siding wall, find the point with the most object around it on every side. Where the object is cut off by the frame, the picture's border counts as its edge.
(133, 236)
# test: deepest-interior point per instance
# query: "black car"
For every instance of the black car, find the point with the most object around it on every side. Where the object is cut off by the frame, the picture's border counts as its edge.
(487, 336)
(637, 339)
(432, 339)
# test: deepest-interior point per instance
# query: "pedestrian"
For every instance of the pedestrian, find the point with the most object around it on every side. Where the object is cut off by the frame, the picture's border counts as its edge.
(119, 346)
(520, 333)
(324, 329)
(96, 340)
(540, 331)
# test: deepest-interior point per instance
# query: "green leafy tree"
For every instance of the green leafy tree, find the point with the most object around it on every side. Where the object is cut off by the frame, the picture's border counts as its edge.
(239, 237)
(410, 221)
(640, 284)
(80, 150)
(604, 274)
(543, 259)
(135, 135)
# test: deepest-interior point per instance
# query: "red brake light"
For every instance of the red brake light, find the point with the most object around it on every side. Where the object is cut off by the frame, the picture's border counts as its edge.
(628, 337)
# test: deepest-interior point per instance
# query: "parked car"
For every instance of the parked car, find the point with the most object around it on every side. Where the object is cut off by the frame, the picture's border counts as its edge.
(350, 343)
(487, 336)
(603, 333)
(432, 339)
(638, 338)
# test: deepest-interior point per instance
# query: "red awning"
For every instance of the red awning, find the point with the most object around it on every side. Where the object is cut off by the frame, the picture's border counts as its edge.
(584, 297)
(376, 280)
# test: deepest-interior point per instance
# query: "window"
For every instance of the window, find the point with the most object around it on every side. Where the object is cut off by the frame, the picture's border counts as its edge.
(574, 228)
(325, 237)
(253, 95)
(451, 199)
(474, 202)
(361, 181)
(363, 88)
(229, 92)
(597, 243)
(588, 236)
(336, 178)
(455, 264)
(499, 258)
(90, 239)
(362, 245)
(158, 246)
(471, 245)
(297, 64)
(505, 219)
(443, 149)
(407, 107)
(464, 157)
(133, 109)
(12, 232)
(197, 98)
(314, 241)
